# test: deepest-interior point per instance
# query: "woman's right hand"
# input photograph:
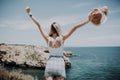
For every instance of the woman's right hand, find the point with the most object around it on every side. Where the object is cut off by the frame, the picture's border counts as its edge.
(90, 17)
(28, 10)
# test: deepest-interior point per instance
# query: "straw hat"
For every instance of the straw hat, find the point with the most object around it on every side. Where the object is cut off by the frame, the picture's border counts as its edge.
(99, 15)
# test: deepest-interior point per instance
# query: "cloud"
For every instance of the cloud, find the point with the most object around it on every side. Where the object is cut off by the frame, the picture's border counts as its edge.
(94, 41)
(16, 24)
(27, 0)
(62, 20)
(114, 11)
(108, 40)
(82, 4)
(104, 38)
(28, 24)
(65, 20)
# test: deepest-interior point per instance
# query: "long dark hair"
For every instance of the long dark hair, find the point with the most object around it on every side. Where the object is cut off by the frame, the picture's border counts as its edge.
(53, 30)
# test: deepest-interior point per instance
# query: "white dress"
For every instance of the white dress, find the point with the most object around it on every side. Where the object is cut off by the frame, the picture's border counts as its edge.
(55, 65)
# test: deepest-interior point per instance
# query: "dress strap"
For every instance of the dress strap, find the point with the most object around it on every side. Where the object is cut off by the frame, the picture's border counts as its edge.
(61, 39)
(49, 39)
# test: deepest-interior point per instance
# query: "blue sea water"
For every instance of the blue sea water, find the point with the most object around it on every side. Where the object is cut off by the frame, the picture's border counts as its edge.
(95, 63)
(92, 63)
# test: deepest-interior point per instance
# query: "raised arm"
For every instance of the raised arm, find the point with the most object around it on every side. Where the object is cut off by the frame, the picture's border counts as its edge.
(74, 29)
(37, 23)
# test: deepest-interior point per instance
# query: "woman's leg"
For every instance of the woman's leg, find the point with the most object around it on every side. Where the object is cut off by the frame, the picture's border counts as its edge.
(49, 78)
(62, 78)
(59, 78)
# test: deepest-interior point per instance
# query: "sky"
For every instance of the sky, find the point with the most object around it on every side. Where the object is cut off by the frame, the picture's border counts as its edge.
(17, 28)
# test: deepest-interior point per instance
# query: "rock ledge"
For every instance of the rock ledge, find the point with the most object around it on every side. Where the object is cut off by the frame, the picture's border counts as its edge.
(29, 56)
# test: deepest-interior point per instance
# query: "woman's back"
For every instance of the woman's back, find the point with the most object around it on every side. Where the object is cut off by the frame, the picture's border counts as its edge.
(55, 46)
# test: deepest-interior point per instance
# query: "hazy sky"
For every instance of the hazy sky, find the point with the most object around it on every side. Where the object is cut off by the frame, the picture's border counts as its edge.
(17, 28)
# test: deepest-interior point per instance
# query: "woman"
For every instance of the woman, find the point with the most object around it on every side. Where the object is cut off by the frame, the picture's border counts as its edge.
(55, 39)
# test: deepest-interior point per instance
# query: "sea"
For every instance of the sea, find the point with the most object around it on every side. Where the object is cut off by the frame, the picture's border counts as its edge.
(91, 63)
